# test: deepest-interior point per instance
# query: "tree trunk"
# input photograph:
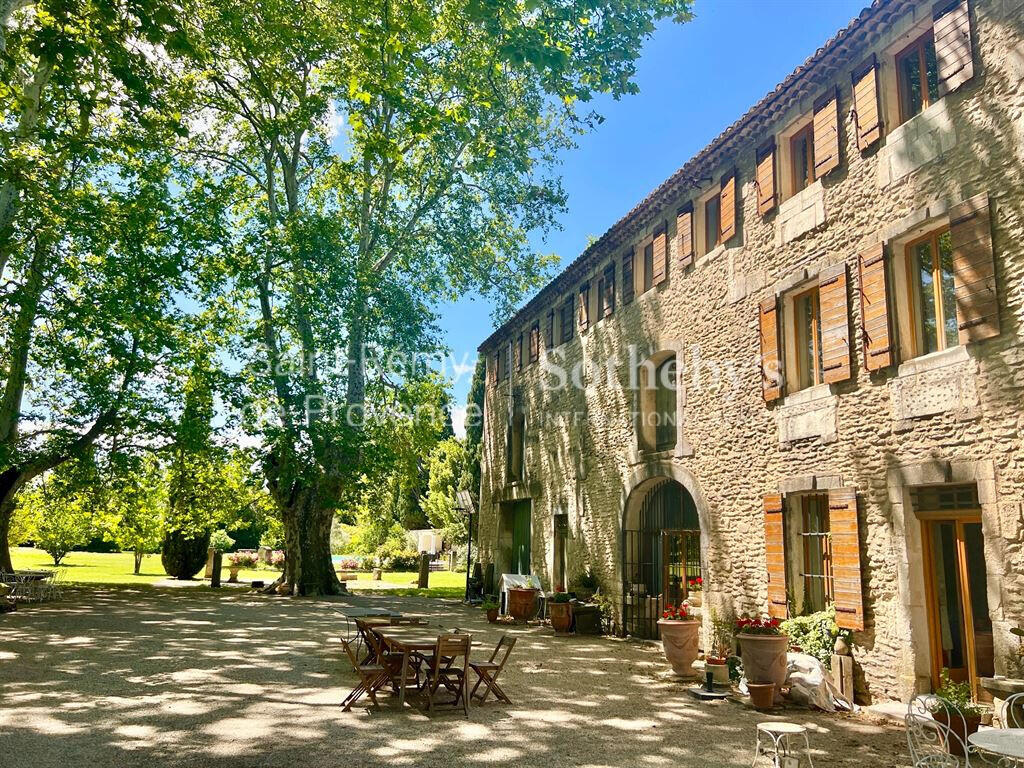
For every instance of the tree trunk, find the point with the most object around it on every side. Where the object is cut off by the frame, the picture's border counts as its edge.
(138, 562)
(308, 567)
(8, 493)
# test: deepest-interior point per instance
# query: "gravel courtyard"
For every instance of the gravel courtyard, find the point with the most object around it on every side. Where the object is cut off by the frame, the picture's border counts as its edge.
(182, 677)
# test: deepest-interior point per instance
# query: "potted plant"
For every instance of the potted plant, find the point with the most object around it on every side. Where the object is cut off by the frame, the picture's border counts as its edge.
(763, 649)
(490, 608)
(522, 602)
(956, 709)
(720, 649)
(560, 611)
(695, 591)
(762, 695)
(679, 638)
(237, 562)
(277, 559)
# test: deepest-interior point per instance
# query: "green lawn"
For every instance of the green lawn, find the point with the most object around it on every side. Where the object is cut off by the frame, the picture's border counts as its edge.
(117, 567)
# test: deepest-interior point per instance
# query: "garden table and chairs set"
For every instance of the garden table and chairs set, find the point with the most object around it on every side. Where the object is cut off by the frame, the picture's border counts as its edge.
(29, 586)
(944, 742)
(405, 653)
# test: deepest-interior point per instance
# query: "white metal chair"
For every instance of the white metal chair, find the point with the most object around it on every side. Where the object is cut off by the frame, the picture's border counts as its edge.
(934, 744)
(1011, 712)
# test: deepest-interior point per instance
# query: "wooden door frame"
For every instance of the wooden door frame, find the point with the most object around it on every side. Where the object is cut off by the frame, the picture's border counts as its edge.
(959, 518)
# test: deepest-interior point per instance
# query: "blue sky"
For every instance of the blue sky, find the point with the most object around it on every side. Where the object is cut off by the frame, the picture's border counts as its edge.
(695, 79)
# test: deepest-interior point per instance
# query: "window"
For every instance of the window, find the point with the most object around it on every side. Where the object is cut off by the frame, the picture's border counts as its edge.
(665, 405)
(801, 154)
(816, 548)
(807, 327)
(917, 76)
(627, 277)
(516, 445)
(503, 362)
(549, 330)
(561, 531)
(535, 342)
(648, 266)
(712, 223)
(495, 367)
(517, 352)
(930, 275)
(585, 306)
(606, 292)
(565, 319)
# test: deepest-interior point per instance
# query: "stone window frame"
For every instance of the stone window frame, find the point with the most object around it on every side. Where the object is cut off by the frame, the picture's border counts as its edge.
(804, 122)
(701, 247)
(644, 438)
(787, 291)
(795, 546)
(889, 89)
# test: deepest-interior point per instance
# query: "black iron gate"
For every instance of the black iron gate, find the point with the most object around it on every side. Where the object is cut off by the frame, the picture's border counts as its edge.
(661, 544)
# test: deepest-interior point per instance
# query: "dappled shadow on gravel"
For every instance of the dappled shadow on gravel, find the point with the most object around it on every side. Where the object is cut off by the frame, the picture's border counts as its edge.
(152, 677)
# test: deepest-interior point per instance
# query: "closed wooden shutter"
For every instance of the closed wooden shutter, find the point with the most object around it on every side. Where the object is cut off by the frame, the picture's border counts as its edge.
(727, 206)
(874, 309)
(608, 291)
(974, 269)
(953, 53)
(766, 178)
(835, 323)
(628, 288)
(771, 371)
(535, 343)
(867, 116)
(549, 330)
(584, 306)
(775, 555)
(842, 522)
(659, 270)
(826, 134)
(684, 232)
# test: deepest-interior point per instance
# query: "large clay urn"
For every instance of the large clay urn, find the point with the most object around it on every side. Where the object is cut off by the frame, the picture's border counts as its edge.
(522, 603)
(764, 659)
(680, 640)
(561, 616)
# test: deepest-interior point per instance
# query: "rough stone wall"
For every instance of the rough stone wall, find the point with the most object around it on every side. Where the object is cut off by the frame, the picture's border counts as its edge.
(880, 432)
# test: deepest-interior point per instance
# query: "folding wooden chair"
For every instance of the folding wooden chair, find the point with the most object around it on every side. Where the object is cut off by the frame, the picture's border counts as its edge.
(487, 672)
(392, 662)
(371, 678)
(445, 670)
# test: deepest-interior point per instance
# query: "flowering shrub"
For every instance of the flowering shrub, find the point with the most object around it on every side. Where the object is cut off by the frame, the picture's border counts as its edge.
(277, 559)
(759, 626)
(348, 564)
(676, 613)
(695, 585)
(242, 560)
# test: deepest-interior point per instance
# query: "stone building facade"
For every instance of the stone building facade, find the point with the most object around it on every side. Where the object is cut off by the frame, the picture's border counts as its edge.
(796, 368)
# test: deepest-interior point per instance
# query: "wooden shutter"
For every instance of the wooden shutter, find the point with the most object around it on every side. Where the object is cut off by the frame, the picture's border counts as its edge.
(766, 178)
(584, 306)
(535, 342)
(495, 365)
(826, 134)
(727, 206)
(974, 269)
(771, 371)
(874, 309)
(608, 290)
(517, 353)
(684, 231)
(835, 323)
(660, 262)
(842, 524)
(775, 556)
(628, 287)
(953, 54)
(549, 330)
(867, 116)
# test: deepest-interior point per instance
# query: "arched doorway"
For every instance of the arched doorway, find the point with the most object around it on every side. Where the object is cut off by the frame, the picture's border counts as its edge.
(661, 554)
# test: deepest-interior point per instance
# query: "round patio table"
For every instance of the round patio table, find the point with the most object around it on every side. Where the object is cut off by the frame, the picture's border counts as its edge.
(1002, 742)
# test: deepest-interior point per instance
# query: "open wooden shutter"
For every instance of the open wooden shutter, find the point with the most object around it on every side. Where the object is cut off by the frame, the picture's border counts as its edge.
(584, 306)
(874, 309)
(974, 269)
(826, 134)
(727, 206)
(628, 287)
(775, 556)
(953, 54)
(549, 330)
(771, 370)
(684, 231)
(766, 178)
(835, 323)
(660, 263)
(842, 524)
(867, 116)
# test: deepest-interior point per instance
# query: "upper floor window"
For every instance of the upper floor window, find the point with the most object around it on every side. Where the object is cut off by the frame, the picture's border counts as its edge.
(535, 342)
(627, 277)
(801, 153)
(648, 266)
(549, 330)
(503, 362)
(565, 319)
(811, 571)
(712, 222)
(930, 268)
(807, 322)
(665, 405)
(606, 292)
(917, 75)
(516, 445)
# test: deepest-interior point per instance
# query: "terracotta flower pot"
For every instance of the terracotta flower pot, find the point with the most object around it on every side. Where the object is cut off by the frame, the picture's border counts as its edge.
(764, 659)
(522, 603)
(696, 598)
(561, 616)
(492, 615)
(962, 727)
(680, 640)
(762, 695)
(233, 574)
(720, 673)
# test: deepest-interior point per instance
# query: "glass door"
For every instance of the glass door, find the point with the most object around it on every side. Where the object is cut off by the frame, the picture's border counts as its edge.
(681, 564)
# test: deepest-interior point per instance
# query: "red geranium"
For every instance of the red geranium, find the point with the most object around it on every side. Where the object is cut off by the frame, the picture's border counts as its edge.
(675, 613)
(758, 626)
(696, 584)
